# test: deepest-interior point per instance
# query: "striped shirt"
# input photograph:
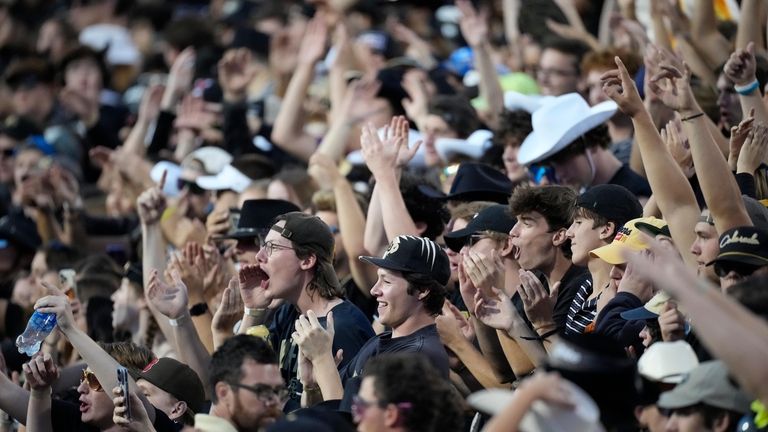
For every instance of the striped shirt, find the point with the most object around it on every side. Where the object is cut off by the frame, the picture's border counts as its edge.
(582, 311)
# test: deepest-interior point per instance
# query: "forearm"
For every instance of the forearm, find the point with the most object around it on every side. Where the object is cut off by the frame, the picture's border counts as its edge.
(708, 40)
(203, 330)
(511, 10)
(327, 377)
(39, 411)
(191, 349)
(288, 125)
(515, 346)
(698, 65)
(503, 366)
(720, 190)
(134, 143)
(477, 364)
(47, 226)
(352, 224)
(660, 32)
(153, 258)
(750, 26)
(334, 143)
(490, 86)
(375, 239)
(397, 220)
(754, 101)
(185, 144)
(13, 399)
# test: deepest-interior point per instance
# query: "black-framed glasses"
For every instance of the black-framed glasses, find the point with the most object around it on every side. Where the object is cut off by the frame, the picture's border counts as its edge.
(360, 406)
(742, 269)
(266, 393)
(271, 246)
(90, 379)
(475, 238)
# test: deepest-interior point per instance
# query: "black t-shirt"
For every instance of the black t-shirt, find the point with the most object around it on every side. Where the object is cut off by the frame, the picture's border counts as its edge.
(352, 331)
(572, 280)
(366, 304)
(632, 181)
(65, 417)
(425, 341)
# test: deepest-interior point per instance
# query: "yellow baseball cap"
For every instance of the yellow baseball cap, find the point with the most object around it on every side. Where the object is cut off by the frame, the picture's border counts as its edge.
(628, 237)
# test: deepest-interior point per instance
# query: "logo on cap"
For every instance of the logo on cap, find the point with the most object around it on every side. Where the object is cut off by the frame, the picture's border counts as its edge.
(393, 247)
(736, 238)
(622, 234)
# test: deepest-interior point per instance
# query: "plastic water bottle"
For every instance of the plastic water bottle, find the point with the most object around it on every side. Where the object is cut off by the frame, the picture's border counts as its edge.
(38, 328)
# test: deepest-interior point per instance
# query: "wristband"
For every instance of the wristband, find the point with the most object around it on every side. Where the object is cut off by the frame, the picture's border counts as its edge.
(255, 312)
(198, 309)
(747, 89)
(542, 337)
(692, 116)
(177, 322)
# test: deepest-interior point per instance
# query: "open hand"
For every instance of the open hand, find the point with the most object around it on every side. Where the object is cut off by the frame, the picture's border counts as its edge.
(251, 276)
(314, 340)
(40, 372)
(230, 308)
(169, 299)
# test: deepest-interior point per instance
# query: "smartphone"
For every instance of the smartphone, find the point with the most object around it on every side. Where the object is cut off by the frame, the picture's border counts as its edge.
(67, 281)
(122, 381)
(234, 219)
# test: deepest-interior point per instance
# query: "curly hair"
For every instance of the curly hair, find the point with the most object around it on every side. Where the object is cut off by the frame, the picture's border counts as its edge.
(514, 127)
(424, 399)
(555, 203)
(128, 354)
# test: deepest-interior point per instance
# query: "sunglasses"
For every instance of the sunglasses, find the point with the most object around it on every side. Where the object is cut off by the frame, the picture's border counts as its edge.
(90, 379)
(742, 269)
(8, 153)
(194, 189)
(360, 406)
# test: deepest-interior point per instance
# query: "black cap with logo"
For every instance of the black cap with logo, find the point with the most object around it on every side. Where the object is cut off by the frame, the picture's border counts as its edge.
(495, 218)
(743, 245)
(414, 255)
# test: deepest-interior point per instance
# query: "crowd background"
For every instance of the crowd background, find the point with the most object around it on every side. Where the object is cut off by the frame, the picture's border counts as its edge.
(385, 215)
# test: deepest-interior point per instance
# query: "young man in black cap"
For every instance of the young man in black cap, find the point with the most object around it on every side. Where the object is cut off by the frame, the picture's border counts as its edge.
(599, 213)
(173, 388)
(253, 224)
(410, 291)
(295, 265)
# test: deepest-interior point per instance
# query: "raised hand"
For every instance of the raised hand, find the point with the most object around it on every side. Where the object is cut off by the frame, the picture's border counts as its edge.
(324, 171)
(56, 302)
(678, 147)
(315, 38)
(251, 277)
(416, 105)
(139, 420)
(474, 25)
(313, 340)
(152, 203)
(755, 150)
(671, 322)
(216, 269)
(169, 299)
(236, 71)
(384, 156)
(673, 88)
(189, 265)
(619, 86)
(466, 287)
(740, 67)
(496, 310)
(40, 372)
(539, 304)
(149, 108)
(217, 223)
(230, 308)
(180, 78)
(194, 114)
(738, 137)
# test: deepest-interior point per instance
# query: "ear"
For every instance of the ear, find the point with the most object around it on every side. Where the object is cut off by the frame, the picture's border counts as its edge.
(423, 295)
(607, 231)
(722, 423)
(222, 390)
(308, 262)
(392, 417)
(506, 248)
(559, 237)
(178, 410)
(421, 227)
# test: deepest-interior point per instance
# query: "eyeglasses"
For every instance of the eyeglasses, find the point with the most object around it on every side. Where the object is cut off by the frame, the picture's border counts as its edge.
(93, 382)
(360, 406)
(742, 269)
(7, 153)
(264, 392)
(475, 238)
(271, 246)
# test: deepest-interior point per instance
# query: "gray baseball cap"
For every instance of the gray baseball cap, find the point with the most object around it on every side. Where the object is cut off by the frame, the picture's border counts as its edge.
(707, 384)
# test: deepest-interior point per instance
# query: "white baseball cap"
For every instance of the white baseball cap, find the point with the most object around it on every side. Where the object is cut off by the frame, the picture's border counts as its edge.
(667, 362)
(230, 178)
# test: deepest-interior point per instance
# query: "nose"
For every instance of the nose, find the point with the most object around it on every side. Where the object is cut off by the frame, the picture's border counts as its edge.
(616, 273)
(695, 248)
(515, 231)
(375, 291)
(83, 387)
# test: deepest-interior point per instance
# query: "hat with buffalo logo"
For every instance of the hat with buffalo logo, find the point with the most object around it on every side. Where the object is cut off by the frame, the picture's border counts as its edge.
(414, 254)
(744, 245)
(628, 238)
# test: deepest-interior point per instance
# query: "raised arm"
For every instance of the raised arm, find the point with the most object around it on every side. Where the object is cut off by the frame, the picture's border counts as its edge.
(672, 191)
(40, 372)
(287, 132)
(751, 20)
(740, 69)
(346, 118)
(474, 28)
(712, 45)
(718, 186)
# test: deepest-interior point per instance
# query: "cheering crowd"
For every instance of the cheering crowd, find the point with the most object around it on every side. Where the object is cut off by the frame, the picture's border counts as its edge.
(338, 215)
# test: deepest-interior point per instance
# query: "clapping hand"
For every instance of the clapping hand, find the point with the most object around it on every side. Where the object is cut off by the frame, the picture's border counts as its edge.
(169, 299)
(538, 303)
(230, 308)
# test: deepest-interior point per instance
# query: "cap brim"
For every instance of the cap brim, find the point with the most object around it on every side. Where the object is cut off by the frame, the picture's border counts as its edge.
(652, 230)
(740, 257)
(678, 397)
(611, 253)
(491, 401)
(638, 314)
(384, 263)
(432, 192)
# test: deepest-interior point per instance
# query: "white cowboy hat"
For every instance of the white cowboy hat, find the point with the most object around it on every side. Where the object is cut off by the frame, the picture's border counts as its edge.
(474, 146)
(559, 122)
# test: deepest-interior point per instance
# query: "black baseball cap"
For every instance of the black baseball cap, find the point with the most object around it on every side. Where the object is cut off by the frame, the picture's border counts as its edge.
(475, 182)
(176, 378)
(495, 218)
(414, 254)
(613, 202)
(743, 245)
(257, 216)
